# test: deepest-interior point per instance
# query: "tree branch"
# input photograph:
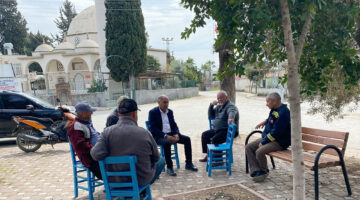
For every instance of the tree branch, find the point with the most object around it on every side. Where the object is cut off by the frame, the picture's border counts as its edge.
(301, 41)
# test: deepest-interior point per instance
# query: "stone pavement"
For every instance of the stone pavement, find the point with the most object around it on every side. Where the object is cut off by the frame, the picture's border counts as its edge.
(47, 173)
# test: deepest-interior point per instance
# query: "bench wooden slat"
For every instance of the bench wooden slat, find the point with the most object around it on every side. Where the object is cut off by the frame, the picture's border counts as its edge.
(308, 159)
(325, 133)
(287, 157)
(323, 140)
(316, 147)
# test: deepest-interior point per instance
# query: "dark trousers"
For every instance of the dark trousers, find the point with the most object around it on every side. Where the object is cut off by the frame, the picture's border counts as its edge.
(95, 168)
(185, 140)
(213, 137)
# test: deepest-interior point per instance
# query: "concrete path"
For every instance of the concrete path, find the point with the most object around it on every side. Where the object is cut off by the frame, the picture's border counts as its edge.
(47, 173)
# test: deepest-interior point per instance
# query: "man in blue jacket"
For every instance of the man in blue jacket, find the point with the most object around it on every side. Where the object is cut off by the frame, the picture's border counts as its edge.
(165, 132)
(275, 137)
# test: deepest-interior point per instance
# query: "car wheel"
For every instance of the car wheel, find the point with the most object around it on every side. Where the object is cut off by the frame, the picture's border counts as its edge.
(25, 144)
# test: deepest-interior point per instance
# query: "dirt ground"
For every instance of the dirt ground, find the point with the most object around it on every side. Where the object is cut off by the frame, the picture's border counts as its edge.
(232, 192)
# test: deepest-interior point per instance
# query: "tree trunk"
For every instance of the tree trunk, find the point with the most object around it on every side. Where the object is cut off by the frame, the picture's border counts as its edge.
(294, 99)
(228, 83)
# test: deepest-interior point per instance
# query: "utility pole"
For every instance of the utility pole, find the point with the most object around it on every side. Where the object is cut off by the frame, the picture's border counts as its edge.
(167, 41)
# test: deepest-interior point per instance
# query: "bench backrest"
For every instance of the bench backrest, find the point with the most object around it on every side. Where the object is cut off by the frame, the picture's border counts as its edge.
(315, 139)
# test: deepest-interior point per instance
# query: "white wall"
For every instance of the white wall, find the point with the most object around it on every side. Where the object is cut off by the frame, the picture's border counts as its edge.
(160, 56)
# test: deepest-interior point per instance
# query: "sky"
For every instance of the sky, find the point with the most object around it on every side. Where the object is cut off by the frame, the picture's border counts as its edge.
(163, 19)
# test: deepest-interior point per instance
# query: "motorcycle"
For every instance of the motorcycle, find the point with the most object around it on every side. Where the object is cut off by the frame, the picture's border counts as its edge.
(32, 132)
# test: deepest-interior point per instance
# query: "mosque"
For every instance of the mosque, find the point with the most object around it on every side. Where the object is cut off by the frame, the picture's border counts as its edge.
(78, 60)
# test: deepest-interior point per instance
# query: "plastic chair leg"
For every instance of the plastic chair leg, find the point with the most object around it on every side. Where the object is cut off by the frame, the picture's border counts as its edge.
(210, 162)
(176, 156)
(76, 189)
(90, 188)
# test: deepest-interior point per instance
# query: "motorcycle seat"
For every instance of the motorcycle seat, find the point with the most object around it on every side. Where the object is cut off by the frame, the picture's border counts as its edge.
(41, 120)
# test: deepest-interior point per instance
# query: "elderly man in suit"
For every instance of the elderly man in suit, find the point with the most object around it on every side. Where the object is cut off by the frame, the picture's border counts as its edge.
(165, 132)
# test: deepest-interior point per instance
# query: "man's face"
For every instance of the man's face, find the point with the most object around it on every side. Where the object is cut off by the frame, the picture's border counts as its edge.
(221, 98)
(163, 104)
(85, 115)
(270, 103)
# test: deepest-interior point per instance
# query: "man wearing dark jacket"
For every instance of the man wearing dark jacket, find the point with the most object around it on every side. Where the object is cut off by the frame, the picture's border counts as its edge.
(114, 116)
(166, 132)
(225, 113)
(127, 138)
(275, 137)
(83, 136)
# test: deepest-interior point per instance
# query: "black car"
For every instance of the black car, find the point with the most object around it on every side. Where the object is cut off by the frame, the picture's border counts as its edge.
(15, 103)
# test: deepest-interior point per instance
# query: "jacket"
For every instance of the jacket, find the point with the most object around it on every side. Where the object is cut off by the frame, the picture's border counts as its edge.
(124, 139)
(278, 127)
(112, 118)
(222, 114)
(156, 126)
(80, 135)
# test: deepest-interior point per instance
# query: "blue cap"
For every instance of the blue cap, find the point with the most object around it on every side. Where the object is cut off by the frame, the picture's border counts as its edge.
(83, 107)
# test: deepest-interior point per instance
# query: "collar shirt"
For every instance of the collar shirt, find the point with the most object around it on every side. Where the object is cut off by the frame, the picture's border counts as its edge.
(165, 122)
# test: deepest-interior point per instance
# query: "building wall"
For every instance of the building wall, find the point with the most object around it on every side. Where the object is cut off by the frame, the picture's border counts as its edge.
(160, 56)
(150, 96)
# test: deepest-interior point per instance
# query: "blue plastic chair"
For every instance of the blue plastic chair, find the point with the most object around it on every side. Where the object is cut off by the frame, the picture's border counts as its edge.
(174, 151)
(122, 189)
(216, 154)
(90, 178)
(211, 125)
(211, 122)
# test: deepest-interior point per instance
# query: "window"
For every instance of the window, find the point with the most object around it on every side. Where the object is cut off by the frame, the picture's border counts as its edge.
(77, 65)
(61, 80)
(60, 67)
(13, 101)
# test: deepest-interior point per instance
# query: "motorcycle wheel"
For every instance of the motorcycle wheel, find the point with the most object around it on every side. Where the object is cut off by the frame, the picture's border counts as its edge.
(25, 144)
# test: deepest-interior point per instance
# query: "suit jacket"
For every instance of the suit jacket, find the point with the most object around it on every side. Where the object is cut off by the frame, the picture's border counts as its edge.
(156, 125)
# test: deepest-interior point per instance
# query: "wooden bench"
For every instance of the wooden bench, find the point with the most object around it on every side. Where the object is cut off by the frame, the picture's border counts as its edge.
(316, 142)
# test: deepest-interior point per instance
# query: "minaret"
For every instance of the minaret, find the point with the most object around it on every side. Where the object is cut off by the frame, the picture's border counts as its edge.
(100, 23)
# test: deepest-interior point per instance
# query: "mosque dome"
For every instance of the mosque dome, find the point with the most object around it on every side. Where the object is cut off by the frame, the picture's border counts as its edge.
(44, 48)
(65, 46)
(88, 44)
(84, 22)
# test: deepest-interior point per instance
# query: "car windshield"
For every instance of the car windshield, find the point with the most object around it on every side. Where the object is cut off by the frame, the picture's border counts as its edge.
(39, 101)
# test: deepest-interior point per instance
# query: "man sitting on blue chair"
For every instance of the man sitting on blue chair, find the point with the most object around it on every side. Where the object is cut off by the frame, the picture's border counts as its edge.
(83, 136)
(225, 112)
(126, 138)
(275, 137)
(165, 132)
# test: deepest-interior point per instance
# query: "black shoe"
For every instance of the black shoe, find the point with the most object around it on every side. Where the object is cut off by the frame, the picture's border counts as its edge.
(260, 176)
(191, 167)
(171, 172)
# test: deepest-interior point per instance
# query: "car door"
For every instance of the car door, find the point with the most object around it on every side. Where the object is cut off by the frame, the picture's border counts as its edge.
(4, 120)
(12, 105)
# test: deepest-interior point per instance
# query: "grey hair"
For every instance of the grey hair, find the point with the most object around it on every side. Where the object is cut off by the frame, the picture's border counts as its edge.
(274, 96)
(223, 92)
(161, 97)
(121, 98)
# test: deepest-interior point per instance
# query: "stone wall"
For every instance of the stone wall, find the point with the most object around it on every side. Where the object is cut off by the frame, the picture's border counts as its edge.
(142, 96)
(150, 96)
(95, 99)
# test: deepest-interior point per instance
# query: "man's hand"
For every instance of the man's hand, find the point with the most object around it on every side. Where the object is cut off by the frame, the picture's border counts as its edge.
(260, 145)
(171, 139)
(231, 121)
(214, 103)
(261, 125)
(177, 138)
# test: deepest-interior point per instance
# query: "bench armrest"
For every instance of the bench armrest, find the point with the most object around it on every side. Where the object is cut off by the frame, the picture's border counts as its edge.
(252, 133)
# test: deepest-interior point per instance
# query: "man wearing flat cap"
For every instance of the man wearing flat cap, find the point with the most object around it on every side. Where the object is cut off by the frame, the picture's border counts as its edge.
(83, 136)
(126, 138)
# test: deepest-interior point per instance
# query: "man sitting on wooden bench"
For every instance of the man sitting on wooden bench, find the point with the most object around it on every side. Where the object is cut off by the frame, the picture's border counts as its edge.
(275, 137)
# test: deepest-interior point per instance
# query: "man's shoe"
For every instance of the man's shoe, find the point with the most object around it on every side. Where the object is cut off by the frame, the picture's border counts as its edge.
(203, 159)
(171, 172)
(191, 167)
(260, 176)
(252, 175)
